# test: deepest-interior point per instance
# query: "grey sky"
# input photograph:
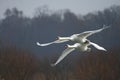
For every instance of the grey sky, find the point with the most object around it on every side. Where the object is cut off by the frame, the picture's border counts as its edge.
(77, 6)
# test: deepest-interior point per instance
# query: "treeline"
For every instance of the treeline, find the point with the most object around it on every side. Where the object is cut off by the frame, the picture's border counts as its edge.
(18, 30)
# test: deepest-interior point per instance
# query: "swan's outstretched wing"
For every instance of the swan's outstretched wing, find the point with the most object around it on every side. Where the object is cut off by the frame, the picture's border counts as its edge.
(63, 55)
(46, 44)
(97, 46)
(89, 33)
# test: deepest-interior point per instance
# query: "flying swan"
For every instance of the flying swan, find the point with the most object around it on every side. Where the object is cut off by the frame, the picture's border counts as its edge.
(81, 47)
(78, 38)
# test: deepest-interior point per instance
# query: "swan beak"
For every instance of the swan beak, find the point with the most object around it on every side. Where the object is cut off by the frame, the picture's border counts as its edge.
(58, 37)
(66, 46)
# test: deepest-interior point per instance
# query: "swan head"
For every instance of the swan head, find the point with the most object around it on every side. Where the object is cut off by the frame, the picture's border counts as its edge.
(68, 46)
(87, 42)
(58, 37)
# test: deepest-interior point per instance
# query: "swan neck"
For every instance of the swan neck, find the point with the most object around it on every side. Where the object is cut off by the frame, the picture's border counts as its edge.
(64, 38)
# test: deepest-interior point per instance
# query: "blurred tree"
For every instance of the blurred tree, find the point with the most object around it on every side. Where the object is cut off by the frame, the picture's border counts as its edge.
(17, 13)
(42, 11)
(8, 13)
(17, 64)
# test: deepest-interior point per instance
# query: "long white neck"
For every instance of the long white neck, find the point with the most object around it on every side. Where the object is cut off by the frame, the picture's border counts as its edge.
(74, 46)
(64, 38)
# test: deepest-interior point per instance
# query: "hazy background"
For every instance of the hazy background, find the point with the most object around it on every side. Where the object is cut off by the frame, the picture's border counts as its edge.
(23, 23)
(77, 6)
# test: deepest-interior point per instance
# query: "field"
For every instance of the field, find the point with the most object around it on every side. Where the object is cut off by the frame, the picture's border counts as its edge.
(20, 65)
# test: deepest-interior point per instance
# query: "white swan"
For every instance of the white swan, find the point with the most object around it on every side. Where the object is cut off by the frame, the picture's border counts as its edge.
(79, 38)
(82, 47)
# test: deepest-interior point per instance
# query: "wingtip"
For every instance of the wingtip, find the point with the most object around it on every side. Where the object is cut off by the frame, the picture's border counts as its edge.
(105, 50)
(105, 27)
(52, 65)
(38, 43)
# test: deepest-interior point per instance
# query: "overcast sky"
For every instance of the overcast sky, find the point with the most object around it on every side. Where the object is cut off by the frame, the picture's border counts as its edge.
(76, 6)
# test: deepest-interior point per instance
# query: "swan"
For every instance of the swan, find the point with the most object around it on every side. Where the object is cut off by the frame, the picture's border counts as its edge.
(79, 38)
(81, 47)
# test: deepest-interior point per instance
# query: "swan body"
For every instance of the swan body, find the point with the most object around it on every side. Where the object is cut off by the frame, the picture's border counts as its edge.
(81, 47)
(78, 38)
